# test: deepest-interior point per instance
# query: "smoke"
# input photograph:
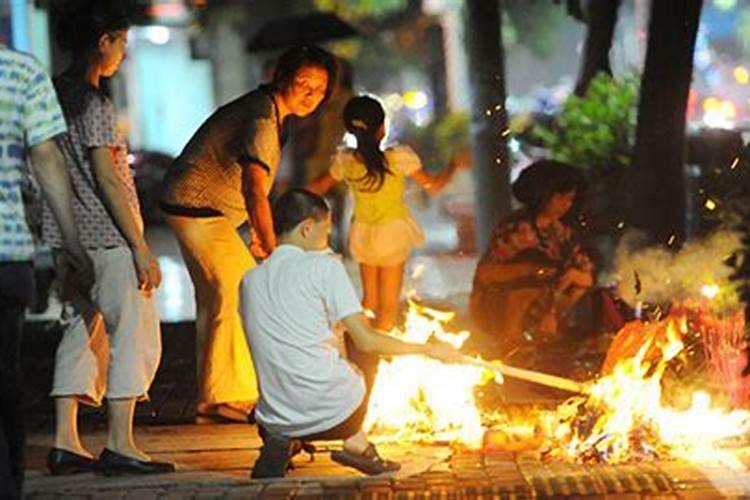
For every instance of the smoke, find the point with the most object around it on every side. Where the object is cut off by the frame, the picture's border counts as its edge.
(699, 271)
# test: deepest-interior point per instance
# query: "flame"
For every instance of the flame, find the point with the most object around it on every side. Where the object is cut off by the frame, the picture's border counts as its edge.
(623, 418)
(419, 399)
(710, 291)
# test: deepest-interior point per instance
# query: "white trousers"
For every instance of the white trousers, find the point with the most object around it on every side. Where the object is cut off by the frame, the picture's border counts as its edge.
(118, 356)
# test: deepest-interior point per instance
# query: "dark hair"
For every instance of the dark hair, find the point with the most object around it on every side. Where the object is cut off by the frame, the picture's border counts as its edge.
(544, 178)
(81, 23)
(363, 116)
(299, 57)
(296, 205)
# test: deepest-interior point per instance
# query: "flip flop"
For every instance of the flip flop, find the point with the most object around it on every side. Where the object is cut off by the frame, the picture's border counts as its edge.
(369, 462)
(224, 413)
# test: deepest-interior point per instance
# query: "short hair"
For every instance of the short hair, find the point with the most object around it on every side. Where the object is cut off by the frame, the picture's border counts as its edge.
(302, 56)
(544, 178)
(81, 23)
(296, 205)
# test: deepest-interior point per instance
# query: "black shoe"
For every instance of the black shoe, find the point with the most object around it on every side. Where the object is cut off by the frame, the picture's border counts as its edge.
(61, 462)
(115, 464)
(274, 456)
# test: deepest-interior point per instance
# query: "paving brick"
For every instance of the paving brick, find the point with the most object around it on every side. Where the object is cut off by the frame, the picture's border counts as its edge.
(144, 494)
(437, 477)
(371, 494)
(210, 494)
(247, 491)
(274, 490)
(310, 491)
(181, 494)
(409, 484)
(108, 495)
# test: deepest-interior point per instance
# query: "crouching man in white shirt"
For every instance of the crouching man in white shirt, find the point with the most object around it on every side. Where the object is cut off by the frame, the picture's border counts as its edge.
(289, 305)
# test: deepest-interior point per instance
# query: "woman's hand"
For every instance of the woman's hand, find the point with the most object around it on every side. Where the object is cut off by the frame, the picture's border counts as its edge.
(576, 277)
(147, 269)
(257, 249)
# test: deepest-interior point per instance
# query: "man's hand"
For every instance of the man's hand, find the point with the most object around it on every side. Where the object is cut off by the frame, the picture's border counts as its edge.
(147, 270)
(443, 352)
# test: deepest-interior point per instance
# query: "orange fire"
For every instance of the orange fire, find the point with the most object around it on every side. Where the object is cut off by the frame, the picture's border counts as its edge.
(624, 419)
(418, 399)
(621, 418)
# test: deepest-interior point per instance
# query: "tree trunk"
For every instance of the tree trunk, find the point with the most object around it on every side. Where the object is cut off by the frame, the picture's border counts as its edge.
(489, 120)
(658, 161)
(601, 18)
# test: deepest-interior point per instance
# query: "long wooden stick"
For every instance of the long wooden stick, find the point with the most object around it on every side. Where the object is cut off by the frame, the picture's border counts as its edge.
(564, 384)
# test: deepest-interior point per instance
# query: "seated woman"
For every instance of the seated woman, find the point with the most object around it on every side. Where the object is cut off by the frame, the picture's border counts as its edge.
(534, 271)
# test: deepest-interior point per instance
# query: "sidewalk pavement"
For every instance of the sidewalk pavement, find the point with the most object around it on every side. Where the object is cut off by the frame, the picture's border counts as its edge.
(214, 461)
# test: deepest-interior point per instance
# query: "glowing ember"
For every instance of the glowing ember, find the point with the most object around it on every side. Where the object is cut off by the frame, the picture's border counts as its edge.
(422, 400)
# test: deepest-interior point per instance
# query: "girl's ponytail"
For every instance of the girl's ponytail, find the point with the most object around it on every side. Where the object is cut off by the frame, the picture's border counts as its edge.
(363, 117)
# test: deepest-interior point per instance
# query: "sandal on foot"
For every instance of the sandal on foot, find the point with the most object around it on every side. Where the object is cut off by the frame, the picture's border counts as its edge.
(368, 462)
(223, 413)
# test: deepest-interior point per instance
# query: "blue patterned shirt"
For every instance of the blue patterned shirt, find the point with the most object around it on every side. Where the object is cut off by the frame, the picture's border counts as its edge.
(29, 115)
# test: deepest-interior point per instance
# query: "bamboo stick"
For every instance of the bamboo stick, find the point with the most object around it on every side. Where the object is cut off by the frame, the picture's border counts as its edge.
(564, 384)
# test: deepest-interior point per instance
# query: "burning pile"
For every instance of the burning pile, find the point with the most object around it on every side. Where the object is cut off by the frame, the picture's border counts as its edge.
(418, 399)
(624, 415)
(621, 417)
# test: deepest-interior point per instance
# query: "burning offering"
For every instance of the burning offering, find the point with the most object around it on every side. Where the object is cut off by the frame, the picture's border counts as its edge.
(622, 416)
(422, 400)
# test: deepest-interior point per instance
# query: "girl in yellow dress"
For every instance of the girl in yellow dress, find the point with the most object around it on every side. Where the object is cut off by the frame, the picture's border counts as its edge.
(383, 231)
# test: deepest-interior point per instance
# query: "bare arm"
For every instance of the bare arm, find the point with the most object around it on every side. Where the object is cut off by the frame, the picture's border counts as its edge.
(255, 188)
(433, 184)
(48, 167)
(322, 184)
(370, 340)
(499, 272)
(115, 199)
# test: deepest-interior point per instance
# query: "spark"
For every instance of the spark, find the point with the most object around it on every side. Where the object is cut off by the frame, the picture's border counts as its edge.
(710, 291)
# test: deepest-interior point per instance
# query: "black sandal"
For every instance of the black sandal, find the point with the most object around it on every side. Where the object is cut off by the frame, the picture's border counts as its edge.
(368, 462)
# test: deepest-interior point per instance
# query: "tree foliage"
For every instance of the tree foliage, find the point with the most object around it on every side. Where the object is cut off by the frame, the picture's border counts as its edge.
(598, 129)
(535, 24)
(441, 139)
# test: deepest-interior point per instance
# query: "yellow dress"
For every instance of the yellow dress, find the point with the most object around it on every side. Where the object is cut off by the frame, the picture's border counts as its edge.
(383, 231)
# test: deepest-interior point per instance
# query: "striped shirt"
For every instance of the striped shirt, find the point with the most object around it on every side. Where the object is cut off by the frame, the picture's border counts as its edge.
(29, 115)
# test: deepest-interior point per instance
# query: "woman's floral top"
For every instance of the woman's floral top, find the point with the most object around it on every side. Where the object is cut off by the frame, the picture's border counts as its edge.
(517, 239)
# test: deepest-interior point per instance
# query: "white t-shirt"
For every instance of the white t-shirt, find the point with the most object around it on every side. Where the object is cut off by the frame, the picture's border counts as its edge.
(289, 305)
